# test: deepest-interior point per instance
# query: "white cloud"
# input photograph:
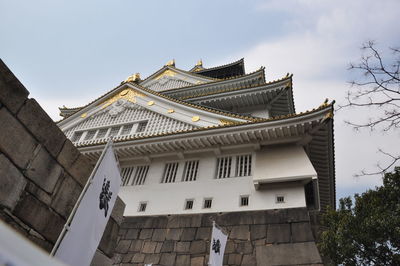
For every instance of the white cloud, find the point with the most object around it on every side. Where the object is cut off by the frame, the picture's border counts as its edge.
(320, 40)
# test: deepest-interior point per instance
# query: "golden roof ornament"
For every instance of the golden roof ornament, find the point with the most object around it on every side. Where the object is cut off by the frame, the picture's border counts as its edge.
(133, 78)
(170, 63)
(199, 63)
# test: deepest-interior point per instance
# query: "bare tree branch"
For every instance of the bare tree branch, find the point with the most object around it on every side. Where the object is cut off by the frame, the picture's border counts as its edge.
(378, 87)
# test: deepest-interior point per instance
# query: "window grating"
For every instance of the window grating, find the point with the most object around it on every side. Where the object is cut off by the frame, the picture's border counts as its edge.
(243, 165)
(126, 129)
(244, 200)
(141, 126)
(224, 167)
(207, 203)
(77, 136)
(126, 174)
(142, 206)
(170, 172)
(90, 134)
(140, 175)
(190, 171)
(280, 199)
(189, 204)
(101, 133)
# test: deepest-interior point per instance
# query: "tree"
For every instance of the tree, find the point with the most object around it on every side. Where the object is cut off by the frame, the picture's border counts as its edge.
(378, 86)
(368, 232)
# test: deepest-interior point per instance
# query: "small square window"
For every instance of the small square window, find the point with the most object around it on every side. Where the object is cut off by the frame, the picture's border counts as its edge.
(244, 201)
(280, 199)
(207, 203)
(189, 204)
(142, 207)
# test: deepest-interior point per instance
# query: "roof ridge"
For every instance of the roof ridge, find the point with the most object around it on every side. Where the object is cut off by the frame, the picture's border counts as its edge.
(238, 88)
(221, 66)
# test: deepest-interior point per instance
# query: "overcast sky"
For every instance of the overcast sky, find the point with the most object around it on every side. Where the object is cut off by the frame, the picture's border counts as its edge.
(71, 52)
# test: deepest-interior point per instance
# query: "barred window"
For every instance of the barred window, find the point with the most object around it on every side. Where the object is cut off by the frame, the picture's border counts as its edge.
(126, 129)
(142, 206)
(170, 172)
(207, 203)
(189, 204)
(101, 133)
(190, 171)
(224, 167)
(140, 175)
(280, 199)
(126, 174)
(77, 136)
(243, 165)
(141, 126)
(90, 134)
(244, 201)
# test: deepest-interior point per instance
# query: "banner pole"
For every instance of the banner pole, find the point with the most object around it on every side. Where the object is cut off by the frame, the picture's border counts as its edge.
(85, 188)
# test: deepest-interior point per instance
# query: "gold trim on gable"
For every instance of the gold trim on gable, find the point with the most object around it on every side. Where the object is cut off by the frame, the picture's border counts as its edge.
(128, 94)
(195, 118)
(167, 72)
(226, 122)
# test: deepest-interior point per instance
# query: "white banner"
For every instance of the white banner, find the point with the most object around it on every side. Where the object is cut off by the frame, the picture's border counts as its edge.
(217, 247)
(87, 227)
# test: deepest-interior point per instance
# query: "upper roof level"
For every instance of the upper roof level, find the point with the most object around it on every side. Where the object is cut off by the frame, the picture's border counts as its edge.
(221, 72)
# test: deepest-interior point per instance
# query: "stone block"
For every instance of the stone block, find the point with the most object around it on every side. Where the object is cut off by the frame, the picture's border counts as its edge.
(197, 261)
(38, 193)
(188, 234)
(234, 259)
(168, 246)
(182, 247)
(118, 211)
(230, 247)
(244, 247)
(259, 242)
(66, 196)
(152, 259)
(301, 232)
(138, 258)
(12, 93)
(149, 247)
(168, 259)
(123, 246)
(159, 234)
(146, 233)
(158, 247)
(182, 260)
(42, 126)
(196, 221)
(241, 232)
(300, 254)
(109, 239)
(258, 231)
(68, 154)
(100, 259)
(136, 246)
(278, 233)
(174, 234)
(298, 215)
(203, 233)
(198, 247)
(259, 217)
(12, 183)
(36, 214)
(126, 258)
(81, 169)
(15, 141)
(249, 260)
(132, 234)
(44, 171)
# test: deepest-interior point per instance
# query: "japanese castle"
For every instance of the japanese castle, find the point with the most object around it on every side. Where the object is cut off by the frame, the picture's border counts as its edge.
(210, 140)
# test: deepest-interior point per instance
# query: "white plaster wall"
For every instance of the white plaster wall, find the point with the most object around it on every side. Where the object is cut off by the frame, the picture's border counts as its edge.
(170, 198)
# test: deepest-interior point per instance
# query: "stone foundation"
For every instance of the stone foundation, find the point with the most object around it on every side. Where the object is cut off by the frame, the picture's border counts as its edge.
(273, 237)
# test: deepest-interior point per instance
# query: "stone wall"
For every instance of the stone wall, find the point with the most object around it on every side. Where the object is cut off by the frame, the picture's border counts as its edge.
(273, 237)
(41, 171)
